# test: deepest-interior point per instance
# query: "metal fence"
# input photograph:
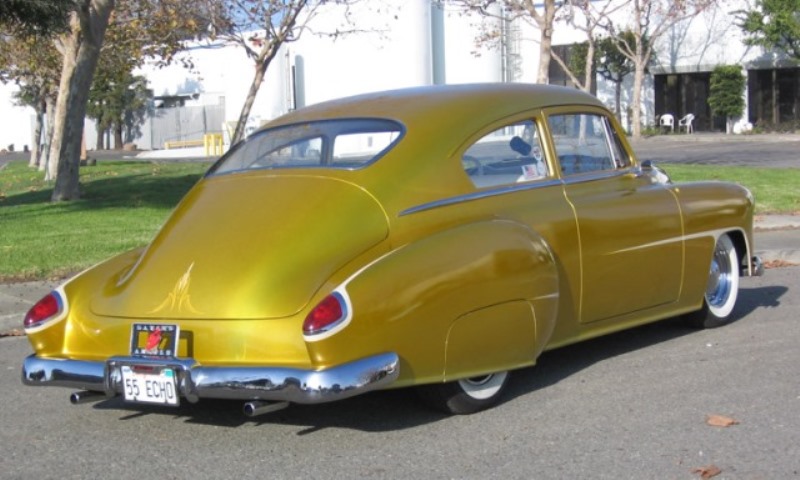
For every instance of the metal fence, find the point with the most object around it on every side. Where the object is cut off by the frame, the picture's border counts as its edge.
(180, 124)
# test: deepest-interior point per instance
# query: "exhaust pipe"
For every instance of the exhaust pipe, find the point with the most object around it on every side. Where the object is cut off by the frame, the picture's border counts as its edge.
(256, 408)
(85, 396)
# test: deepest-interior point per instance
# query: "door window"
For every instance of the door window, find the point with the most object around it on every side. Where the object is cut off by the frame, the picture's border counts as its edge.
(509, 155)
(584, 143)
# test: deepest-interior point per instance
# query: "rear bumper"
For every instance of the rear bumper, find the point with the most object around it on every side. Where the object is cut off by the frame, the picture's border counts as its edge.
(756, 267)
(236, 383)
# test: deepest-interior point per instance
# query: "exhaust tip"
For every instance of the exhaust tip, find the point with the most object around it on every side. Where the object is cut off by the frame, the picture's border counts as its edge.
(256, 408)
(85, 396)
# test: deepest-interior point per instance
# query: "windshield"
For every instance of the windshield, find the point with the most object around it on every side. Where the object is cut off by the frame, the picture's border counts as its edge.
(350, 143)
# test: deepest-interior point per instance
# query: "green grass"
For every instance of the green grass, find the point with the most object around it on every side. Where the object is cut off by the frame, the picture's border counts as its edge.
(124, 204)
(777, 190)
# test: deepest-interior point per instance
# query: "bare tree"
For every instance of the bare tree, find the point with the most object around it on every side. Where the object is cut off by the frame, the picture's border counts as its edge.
(589, 17)
(648, 21)
(541, 15)
(261, 28)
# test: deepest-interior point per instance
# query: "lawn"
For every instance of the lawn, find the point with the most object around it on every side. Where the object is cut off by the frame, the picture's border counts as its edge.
(125, 202)
(777, 190)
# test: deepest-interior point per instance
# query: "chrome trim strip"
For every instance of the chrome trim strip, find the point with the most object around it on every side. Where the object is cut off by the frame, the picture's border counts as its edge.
(236, 383)
(478, 195)
(596, 175)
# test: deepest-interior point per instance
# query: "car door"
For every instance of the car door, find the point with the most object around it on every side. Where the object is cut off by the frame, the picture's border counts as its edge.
(629, 225)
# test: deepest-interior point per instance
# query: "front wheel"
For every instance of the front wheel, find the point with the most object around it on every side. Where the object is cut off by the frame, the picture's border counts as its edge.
(466, 396)
(722, 289)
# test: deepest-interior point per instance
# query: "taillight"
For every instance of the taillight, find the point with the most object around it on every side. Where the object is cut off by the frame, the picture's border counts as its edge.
(45, 309)
(328, 313)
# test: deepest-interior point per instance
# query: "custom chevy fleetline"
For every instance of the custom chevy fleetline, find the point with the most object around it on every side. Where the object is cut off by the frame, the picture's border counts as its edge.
(438, 237)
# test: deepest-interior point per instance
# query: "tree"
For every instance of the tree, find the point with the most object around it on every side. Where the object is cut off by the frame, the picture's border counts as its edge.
(726, 90)
(774, 24)
(540, 14)
(261, 27)
(586, 16)
(118, 101)
(154, 28)
(614, 66)
(35, 16)
(648, 21)
(35, 70)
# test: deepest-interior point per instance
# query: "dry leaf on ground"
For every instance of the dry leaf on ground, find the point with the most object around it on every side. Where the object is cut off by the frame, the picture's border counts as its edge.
(707, 472)
(720, 421)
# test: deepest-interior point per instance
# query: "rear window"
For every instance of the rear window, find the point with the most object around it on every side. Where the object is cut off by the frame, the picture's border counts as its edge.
(349, 143)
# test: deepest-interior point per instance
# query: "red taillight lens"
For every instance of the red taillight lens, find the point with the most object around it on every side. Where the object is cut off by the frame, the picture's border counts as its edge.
(46, 308)
(328, 312)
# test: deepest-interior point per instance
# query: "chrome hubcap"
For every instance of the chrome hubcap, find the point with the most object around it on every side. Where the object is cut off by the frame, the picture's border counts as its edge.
(719, 278)
(483, 387)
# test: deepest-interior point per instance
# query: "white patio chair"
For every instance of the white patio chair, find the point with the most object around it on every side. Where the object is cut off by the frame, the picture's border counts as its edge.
(667, 120)
(686, 122)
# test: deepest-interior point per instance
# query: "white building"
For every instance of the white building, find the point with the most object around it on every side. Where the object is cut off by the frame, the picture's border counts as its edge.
(419, 42)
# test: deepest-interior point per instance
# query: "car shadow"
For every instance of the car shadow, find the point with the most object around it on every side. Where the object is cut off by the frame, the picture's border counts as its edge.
(401, 409)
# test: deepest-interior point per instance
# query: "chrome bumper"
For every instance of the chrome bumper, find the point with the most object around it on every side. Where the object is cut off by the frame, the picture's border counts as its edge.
(236, 383)
(756, 266)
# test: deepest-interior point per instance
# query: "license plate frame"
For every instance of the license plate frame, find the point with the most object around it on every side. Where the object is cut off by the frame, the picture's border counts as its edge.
(159, 340)
(150, 384)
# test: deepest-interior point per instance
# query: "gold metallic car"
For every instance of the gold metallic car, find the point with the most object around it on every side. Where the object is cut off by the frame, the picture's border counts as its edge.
(438, 237)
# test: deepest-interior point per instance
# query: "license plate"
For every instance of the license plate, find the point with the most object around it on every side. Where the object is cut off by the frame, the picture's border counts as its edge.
(150, 385)
(154, 340)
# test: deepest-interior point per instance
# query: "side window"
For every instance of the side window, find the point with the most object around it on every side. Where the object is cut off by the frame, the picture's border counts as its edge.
(584, 143)
(508, 155)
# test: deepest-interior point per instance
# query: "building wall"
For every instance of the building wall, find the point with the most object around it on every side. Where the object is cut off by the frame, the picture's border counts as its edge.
(406, 43)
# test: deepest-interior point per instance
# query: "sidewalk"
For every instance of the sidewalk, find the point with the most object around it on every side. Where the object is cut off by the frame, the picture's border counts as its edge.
(777, 239)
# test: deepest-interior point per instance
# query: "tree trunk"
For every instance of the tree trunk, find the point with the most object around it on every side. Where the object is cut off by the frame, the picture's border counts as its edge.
(241, 124)
(99, 144)
(546, 41)
(44, 161)
(81, 52)
(36, 144)
(636, 103)
(118, 137)
(618, 99)
(262, 64)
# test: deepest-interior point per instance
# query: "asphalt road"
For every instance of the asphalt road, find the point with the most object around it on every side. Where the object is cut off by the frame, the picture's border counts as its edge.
(767, 151)
(630, 405)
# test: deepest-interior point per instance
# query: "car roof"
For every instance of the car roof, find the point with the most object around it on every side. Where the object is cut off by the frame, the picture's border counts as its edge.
(480, 103)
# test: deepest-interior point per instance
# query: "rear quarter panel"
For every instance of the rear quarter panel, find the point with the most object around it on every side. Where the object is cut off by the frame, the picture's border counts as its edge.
(470, 288)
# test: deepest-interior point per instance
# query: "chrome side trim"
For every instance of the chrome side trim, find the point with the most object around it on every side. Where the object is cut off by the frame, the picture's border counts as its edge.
(493, 192)
(236, 383)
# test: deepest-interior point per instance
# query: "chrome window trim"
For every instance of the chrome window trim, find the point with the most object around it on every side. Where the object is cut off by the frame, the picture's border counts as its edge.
(596, 175)
(491, 192)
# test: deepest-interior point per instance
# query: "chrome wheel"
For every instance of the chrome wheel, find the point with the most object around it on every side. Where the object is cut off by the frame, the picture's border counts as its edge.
(722, 288)
(481, 388)
(723, 279)
(466, 396)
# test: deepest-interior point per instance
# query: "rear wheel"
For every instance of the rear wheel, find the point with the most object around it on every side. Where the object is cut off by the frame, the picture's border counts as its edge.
(466, 396)
(722, 289)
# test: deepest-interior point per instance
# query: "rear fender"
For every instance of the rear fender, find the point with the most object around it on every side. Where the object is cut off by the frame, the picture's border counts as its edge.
(449, 292)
